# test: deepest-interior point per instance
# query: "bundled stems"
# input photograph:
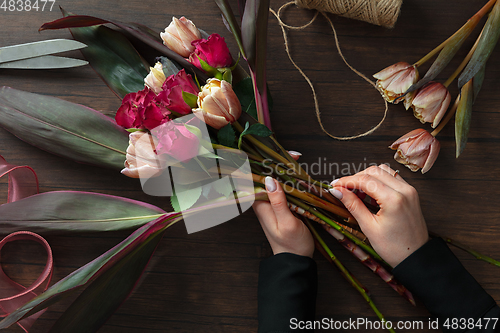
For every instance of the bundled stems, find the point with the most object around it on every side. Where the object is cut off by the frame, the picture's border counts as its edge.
(347, 274)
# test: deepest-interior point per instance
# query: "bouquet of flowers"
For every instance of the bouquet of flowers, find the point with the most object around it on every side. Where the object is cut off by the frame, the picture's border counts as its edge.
(194, 127)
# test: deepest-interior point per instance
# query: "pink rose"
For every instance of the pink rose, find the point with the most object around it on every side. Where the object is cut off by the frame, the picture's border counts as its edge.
(139, 110)
(213, 51)
(171, 96)
(175, 140)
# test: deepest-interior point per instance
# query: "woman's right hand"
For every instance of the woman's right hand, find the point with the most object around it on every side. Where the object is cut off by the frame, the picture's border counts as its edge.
(398, 229)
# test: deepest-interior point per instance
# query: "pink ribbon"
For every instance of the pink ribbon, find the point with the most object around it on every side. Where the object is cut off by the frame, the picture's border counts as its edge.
(23, 183)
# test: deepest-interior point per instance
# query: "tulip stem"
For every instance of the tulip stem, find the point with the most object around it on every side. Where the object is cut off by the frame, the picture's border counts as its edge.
(448, 117)
(464, 62)
(476, 18)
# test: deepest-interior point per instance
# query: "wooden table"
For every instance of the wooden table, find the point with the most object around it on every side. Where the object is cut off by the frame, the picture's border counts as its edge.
(207, 281)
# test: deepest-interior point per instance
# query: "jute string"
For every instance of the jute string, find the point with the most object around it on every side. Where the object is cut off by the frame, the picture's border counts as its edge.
(283, 25)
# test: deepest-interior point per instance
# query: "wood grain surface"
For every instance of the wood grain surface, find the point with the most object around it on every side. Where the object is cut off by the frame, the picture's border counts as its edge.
(207, 281)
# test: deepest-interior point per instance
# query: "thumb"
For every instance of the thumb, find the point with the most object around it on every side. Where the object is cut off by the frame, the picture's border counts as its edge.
(278, 200)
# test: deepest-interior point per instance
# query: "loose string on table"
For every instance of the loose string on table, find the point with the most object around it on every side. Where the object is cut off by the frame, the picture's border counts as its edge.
(283, 25)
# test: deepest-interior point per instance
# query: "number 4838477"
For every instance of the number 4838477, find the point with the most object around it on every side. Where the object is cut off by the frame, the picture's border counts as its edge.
(27, 5)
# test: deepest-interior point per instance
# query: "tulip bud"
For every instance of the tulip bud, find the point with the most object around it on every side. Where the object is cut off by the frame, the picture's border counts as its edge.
(142, 160)
(217, 104)
(395, 80)
(154, 80)
(179, 35)
(417, 149)
(431, 102)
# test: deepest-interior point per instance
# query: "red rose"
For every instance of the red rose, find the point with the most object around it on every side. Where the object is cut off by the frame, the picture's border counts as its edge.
(213, 51)
(139, 110)
(171, 96)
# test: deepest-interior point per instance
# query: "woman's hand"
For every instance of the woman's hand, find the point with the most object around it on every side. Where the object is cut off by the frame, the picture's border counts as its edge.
(398, 228)
(284, 231)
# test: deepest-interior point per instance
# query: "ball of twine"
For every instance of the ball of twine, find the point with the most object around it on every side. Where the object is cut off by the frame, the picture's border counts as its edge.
(380, 12)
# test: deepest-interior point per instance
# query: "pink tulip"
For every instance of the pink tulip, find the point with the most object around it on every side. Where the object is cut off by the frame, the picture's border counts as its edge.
(171, 96)
(217, 104)
(213, 51)
(431, 102)
(142, 160)
(140, 110)
(417, 149)
(179, 35)
(395, 80)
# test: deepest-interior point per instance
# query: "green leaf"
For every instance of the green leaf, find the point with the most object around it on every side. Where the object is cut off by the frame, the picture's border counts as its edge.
(463, 117)
(84, 276)
(75, 211)
(169, 67)
(190, 99)
(113, 57)
(223, 188)
(487, 42)
(227, 136)
(259, 130)
(105, 295)
(175, 203)
(186, 196)
(242, 134)
(63, 128)
(228, 15)
(244, 92)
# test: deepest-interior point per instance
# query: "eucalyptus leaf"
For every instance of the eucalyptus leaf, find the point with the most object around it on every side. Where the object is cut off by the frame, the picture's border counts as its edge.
(66, 129)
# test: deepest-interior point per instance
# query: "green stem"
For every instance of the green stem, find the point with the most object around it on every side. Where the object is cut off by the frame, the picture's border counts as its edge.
(346, 273)
(337, 227)
(465, 248)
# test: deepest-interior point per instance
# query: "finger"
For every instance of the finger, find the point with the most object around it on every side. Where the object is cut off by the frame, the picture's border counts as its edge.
(356, 207)
(384, 176)
(369, 184)
(278, 200)
(395, 174)
(295, 154)
(266, 216)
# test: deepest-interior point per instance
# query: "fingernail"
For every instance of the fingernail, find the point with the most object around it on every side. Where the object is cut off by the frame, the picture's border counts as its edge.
(293, 152)
(336, 193)
(270, 184)
(334, 182)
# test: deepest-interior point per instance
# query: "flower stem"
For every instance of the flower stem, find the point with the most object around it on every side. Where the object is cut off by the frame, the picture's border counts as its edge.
(463, 63)
(346, 274)
(476, 18)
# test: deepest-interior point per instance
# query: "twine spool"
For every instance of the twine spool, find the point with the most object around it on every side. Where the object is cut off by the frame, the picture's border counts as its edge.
(379, 12)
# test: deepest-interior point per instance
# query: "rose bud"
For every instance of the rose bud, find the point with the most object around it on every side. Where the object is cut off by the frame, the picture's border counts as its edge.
(142, 160)
(171, 96)
(431, 102)
(417, 149)
(179, 35)
(217, 104)
(213, 51)
(154, 80)
(139, 110)
(395, 80)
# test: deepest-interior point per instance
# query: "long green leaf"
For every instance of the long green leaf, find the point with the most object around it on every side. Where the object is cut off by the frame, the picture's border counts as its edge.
(463, 117)
(228, 15)
(103, 296)
(85, 275)
(487, 43)
(63, 128)
(113, 57)
(75, 211)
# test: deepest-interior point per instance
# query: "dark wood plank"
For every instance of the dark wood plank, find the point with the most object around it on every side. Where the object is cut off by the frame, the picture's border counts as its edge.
(207, 282)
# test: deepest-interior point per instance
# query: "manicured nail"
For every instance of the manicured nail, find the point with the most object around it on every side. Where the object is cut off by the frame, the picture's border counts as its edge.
(293, 152)
(336, 193)
(270, 184)
(334, 182)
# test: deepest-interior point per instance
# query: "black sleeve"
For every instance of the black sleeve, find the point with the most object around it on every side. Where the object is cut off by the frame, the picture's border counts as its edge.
(436, 276)
(288, 285)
